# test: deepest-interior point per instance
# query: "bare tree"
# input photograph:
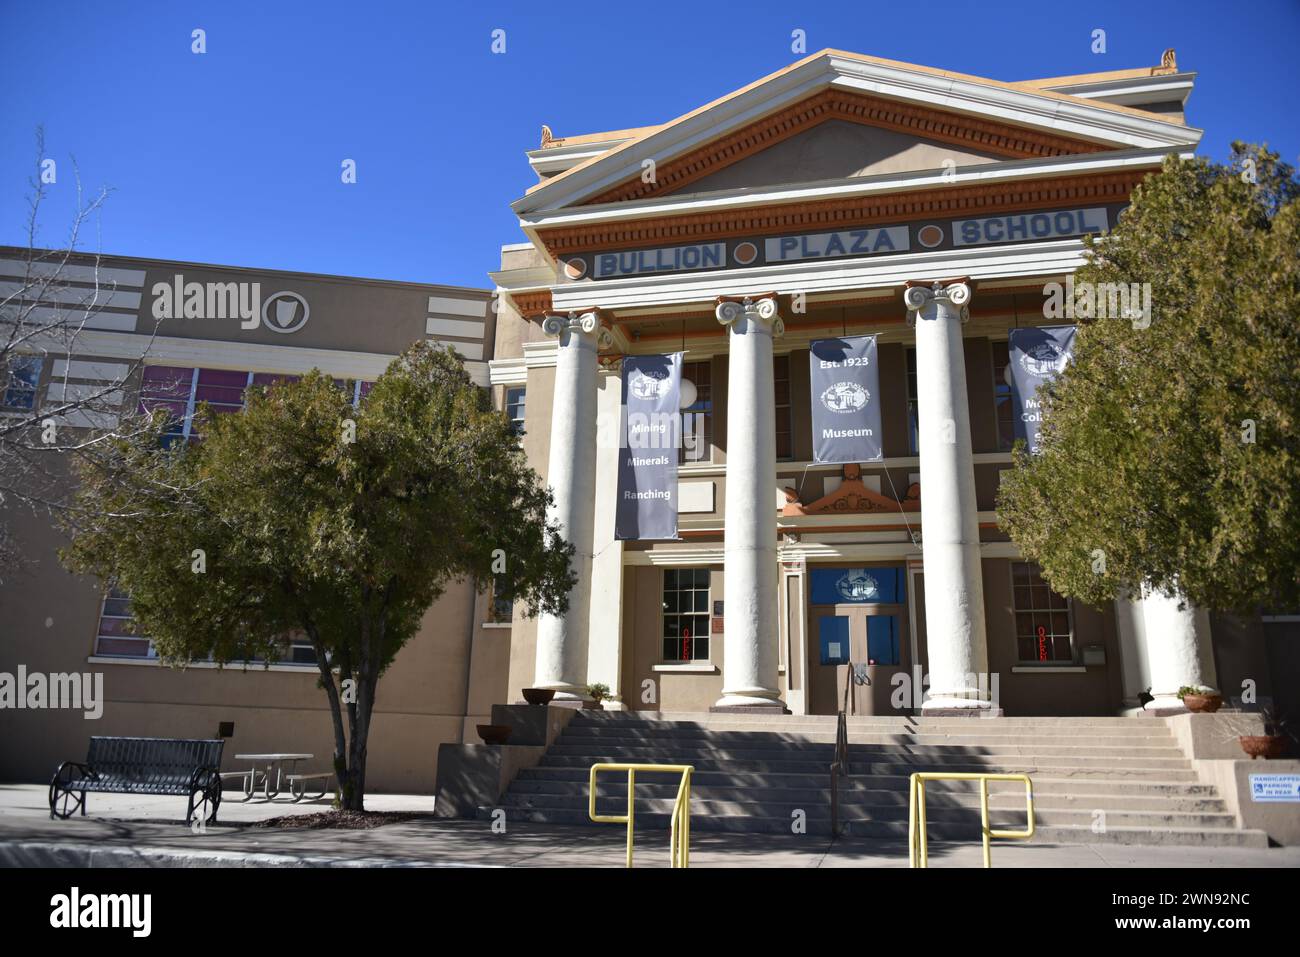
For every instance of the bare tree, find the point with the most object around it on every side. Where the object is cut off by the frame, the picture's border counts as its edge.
(49, 298)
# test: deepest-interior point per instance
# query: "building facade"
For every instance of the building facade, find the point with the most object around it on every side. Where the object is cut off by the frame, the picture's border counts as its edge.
(174, 335)
(843, 196)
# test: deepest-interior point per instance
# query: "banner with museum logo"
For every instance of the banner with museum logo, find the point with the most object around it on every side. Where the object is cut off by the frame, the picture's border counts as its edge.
(845, 400)
(651, 436)
(1037, 354)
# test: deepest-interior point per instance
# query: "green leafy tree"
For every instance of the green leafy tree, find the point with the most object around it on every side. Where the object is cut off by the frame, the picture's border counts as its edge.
(305, 516)
(1169, 454)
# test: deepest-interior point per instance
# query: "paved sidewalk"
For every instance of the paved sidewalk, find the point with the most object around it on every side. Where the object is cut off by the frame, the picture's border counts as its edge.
(127, 830)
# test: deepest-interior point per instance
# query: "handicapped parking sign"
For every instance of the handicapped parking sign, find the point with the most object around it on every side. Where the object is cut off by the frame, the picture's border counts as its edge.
(1275, 787)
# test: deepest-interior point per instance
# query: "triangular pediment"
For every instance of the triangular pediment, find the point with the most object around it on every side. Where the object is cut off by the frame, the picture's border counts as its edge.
(840, 149)
(872, 127)
(835, 116)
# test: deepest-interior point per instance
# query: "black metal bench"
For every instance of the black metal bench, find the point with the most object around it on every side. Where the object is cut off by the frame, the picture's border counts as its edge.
(142, 766)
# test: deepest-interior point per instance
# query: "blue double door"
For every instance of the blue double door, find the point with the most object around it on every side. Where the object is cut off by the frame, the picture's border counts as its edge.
(858, 619)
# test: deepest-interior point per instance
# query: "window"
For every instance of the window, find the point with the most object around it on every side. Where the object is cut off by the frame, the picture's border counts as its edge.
(1043, 628)
(501, 607)
(178, 391)
(686, 614)
(697, 418)
(913, 436)
(20, 383)
(515, 399)
(781, 400)
(1002, 398)
(115, 638)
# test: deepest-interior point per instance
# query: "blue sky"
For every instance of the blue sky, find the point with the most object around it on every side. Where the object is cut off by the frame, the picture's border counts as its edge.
(234, 156)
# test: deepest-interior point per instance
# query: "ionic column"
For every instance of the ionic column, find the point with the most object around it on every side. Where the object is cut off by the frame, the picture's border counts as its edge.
(749, 667)
(1130, 625)
(562, 639)
(1178, 651)
(950, 551)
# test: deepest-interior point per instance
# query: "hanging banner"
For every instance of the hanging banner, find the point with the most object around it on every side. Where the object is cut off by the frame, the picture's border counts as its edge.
(647, 464)
(1037, 354)
(845, 400)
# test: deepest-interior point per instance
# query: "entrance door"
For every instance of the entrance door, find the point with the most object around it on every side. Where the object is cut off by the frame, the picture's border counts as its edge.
(870, 639)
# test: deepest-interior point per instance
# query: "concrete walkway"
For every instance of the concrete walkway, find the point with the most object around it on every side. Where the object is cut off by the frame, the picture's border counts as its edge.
(126, 830)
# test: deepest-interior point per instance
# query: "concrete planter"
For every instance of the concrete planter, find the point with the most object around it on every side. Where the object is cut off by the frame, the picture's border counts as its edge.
(494, 733)
(1268, 746)
(1203, 703)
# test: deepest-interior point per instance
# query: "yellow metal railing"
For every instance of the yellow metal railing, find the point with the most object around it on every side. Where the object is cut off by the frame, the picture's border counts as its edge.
(679, 847)
(916, 834)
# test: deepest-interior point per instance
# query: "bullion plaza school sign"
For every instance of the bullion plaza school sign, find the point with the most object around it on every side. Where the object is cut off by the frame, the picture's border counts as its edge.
(745, 253)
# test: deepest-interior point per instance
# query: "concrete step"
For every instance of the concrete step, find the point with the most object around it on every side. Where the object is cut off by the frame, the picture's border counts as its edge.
(747, 773)
(897, 830)
(763, 747)
(621, 736)
(889, 723)
(882, 797)
(796, 761)
(1001, 817)
(1082, 786)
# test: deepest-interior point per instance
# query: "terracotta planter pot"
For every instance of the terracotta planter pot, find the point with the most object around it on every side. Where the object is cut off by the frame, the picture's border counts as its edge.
(494, 733)
(1203, 703)
(1263, 745)
(539, 696)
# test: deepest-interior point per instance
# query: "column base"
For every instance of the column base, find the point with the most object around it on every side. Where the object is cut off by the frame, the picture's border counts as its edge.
(952, 706)
(767, 707)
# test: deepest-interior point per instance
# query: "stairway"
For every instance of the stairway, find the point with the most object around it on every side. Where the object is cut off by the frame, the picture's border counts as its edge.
(1096, 780)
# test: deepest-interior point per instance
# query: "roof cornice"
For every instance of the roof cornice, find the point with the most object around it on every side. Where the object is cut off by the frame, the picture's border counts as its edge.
(1113, 126)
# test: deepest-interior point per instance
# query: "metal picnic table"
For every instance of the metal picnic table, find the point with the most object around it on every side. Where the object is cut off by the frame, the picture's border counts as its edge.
(274, 761)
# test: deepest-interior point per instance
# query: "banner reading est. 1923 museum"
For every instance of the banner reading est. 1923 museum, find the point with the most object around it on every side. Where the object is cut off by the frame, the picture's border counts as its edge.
(647, 463)
(1037, 355)
(845, 400)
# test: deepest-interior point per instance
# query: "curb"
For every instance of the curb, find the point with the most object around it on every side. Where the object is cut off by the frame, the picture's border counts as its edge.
(52, 854)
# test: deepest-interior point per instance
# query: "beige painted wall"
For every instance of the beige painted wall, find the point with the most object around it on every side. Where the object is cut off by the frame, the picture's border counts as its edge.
(50, 618)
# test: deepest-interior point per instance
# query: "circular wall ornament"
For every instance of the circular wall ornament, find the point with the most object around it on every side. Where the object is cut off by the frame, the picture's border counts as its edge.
(929, 235)
(745, 254)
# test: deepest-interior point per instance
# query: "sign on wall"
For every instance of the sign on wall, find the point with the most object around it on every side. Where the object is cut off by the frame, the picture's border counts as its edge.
(1267, 788)
(845, 400)
(873, 242)
(647, 465)
(1037, 354)
(865, 586)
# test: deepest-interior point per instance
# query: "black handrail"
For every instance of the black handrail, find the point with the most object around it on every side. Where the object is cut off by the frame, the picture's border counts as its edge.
(840, 760)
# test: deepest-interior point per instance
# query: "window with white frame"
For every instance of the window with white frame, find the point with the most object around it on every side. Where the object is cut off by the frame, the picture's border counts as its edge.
(697, 418)
(781, 403)
(501, 607)
(1044, 623)
(686, 614)
(20, 382)
(179, 390)
(516, 397)
(117, 639)
(1002, 404)
(913, 406)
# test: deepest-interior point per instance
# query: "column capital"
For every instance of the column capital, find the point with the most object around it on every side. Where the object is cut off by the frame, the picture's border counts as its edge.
(759, 312)
(586, 323)
(919, 293)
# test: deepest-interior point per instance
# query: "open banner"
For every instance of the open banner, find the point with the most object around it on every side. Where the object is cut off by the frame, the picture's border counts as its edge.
(845, 400)
(1037, 355)
(651, 435)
